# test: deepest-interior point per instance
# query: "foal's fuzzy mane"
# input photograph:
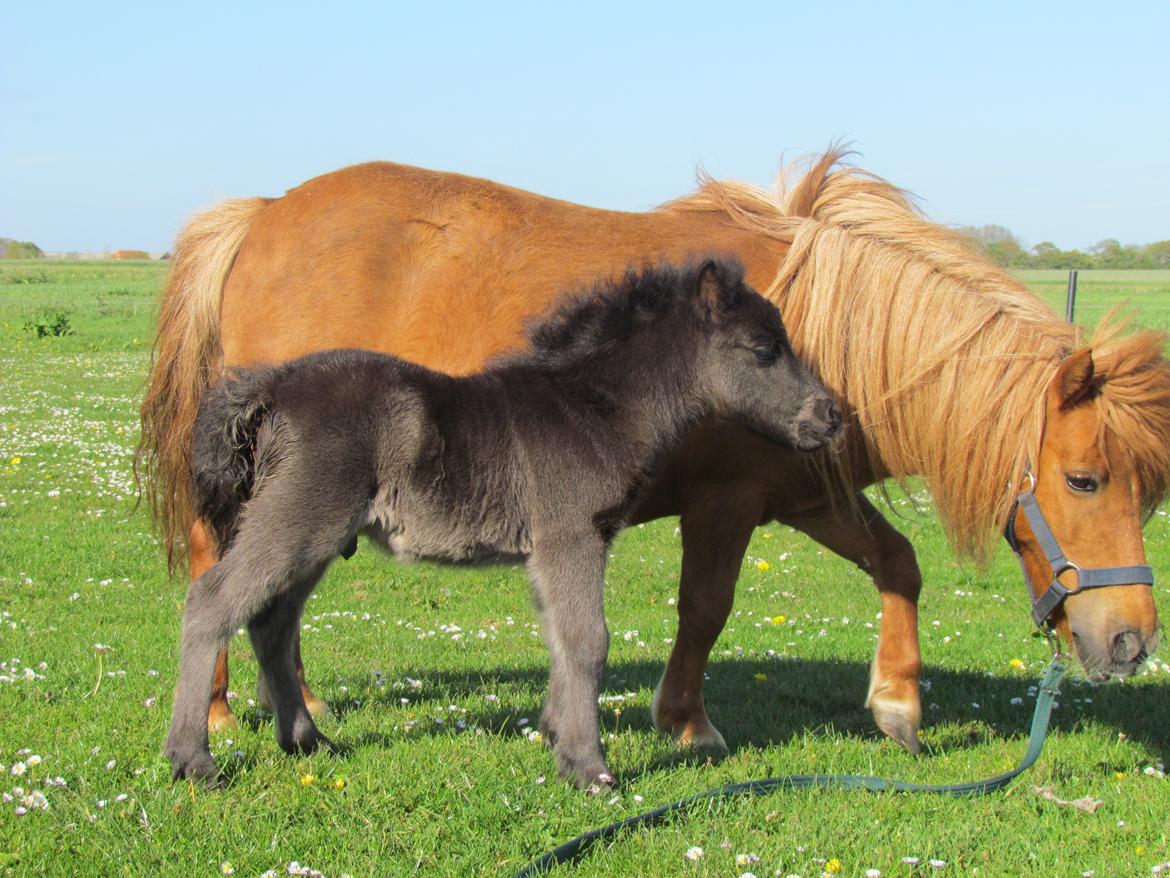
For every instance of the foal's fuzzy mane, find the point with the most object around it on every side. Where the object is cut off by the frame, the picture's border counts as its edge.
(586, 322)
(943, 357)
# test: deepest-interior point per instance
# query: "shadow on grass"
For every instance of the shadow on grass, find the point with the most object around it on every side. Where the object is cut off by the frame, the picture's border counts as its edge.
(798, 696)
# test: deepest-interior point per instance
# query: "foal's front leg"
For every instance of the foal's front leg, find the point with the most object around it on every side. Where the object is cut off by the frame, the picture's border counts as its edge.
(568, 575)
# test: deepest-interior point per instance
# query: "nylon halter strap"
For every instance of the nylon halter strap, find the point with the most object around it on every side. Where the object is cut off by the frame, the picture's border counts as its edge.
(1044, 606)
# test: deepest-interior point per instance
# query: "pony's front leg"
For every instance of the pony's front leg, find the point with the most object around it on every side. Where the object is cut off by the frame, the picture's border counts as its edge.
(716, 524)
(568, 576)
(876, 547)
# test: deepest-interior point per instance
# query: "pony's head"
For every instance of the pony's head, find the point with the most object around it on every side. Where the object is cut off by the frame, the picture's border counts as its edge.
(1101, 469)
(945, 364)
(746, 369)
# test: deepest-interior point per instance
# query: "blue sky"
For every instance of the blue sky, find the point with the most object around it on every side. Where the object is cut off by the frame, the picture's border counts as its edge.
(119, 119)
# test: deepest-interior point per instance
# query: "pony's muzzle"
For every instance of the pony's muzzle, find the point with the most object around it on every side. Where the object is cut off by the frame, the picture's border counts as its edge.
(1128, 648)
(817, 423)
(1116, 655)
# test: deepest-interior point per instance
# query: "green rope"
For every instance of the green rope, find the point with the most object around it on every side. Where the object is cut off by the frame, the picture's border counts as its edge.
(1049, 689)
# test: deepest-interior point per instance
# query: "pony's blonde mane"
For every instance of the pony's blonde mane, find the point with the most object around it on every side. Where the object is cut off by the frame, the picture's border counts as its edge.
(942, 357)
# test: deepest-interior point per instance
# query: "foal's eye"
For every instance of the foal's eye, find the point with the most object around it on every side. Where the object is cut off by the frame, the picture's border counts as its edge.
(1081, 483)
(765, 356)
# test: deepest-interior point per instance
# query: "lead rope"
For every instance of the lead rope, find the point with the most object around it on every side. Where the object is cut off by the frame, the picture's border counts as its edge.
(1045, 698)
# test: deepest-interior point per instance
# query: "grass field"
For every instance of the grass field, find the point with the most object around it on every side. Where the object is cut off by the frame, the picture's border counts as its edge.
(436, 677)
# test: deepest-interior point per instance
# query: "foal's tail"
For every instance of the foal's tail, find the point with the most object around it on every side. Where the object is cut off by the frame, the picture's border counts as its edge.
(231, 449)
(185, 360)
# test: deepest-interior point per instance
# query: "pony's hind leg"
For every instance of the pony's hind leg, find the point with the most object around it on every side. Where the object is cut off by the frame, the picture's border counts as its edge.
(716, 526)
(274, 639)
(568, 576)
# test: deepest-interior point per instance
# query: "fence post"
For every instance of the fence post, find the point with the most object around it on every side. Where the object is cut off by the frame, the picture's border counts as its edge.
(1070, 305)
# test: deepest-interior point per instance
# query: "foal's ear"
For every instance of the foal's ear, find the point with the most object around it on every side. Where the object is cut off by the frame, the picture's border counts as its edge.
(711, 296)
(1073, 382)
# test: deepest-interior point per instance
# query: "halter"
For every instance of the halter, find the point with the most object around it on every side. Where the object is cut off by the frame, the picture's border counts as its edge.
(1048, 603)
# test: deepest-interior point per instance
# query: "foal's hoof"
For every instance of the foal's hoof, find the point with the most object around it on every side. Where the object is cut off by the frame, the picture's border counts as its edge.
(589, 775)
(898, 722)
(308, 740)
(199, 767)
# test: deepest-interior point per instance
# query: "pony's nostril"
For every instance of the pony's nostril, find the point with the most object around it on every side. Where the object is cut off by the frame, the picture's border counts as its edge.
(1127, 647)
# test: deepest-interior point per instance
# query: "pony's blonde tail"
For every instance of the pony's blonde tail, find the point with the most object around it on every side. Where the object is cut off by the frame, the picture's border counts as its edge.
(183, 363)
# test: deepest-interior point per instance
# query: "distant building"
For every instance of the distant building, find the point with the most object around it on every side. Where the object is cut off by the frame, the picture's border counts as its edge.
(129, 254)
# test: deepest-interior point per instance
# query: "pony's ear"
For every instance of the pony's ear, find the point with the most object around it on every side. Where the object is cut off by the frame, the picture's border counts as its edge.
(1073, 382)
(710, 290)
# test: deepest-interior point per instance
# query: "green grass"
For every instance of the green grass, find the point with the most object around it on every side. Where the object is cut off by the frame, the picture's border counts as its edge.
(441, 777)
(1145, 293)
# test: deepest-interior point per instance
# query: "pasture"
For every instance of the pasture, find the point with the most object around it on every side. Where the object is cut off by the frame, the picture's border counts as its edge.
(436, 677)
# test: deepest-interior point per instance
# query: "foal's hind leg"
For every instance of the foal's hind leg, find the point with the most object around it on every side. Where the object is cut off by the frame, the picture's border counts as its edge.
(274, 635)
(289, 534)
(877, 548)
(208, 622)
(569, 577)
(317, 707)
(203, 558)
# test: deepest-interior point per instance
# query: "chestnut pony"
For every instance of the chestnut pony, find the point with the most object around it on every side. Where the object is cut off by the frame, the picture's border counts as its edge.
(946, 366)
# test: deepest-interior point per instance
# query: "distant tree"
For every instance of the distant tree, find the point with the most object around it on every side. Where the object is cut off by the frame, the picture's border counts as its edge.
(10, 249)
(1008, 253)
(1157, 255)
(985, 236)
(1048, 255)
(1002, 246)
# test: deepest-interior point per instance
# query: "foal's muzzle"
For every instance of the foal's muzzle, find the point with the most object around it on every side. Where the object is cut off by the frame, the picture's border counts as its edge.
(817, 423)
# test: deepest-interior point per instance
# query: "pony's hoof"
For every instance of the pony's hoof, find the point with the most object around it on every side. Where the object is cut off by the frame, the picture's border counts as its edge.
(318, 709)
(220, 718)
(697, 733)
(898, 722)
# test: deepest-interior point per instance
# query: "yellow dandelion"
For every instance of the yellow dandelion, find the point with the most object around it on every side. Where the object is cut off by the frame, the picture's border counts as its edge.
(15, 461)
(779, 620)
(833, 867)
(1018, 664)
(339, 784)
(759, 678)
(1119, 776)
(307, 780)
(763, 565)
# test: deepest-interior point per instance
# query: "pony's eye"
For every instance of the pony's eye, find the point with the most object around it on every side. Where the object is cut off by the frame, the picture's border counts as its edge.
(765, 356)
(1081, 483)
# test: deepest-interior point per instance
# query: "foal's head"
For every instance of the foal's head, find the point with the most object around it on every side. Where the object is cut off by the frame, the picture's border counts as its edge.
(746, 366)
